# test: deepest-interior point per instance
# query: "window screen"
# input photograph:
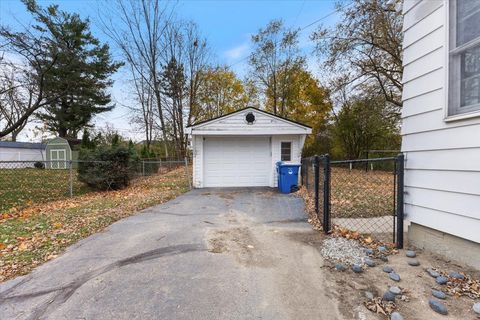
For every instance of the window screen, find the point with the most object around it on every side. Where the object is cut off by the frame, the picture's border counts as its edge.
(286, 151)
(464, 56)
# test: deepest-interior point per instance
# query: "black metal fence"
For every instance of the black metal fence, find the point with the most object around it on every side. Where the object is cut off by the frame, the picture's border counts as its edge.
(363, 195)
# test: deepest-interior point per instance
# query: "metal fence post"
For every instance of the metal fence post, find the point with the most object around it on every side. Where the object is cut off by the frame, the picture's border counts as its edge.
(143, 168)
(307, 164)
(188, 174)
(316, 167)
(71, 178)
(400, 188)
(326, 193)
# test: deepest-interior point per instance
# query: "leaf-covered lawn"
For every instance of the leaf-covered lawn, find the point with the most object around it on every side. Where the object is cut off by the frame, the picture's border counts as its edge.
(39, 232)
(360, 194)
(24, 186)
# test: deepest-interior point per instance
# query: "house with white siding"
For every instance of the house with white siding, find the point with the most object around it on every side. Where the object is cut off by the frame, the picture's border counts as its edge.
(21, 151)
(441, 126)
(241, 149)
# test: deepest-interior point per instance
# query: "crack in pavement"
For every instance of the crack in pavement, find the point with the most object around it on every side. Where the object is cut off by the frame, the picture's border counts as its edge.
(66, 291)
(184, 214)
(298, 220)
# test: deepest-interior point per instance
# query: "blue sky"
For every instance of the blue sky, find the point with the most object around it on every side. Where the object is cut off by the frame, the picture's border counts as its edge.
(227, 25)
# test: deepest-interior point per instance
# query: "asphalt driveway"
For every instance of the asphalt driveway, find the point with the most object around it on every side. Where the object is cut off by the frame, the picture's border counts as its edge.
(208, 254)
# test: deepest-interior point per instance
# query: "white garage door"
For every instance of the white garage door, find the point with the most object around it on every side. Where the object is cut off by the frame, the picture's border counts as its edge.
(237, 162)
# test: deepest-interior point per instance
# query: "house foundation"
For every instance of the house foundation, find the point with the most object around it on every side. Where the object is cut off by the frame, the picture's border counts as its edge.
(447, 245)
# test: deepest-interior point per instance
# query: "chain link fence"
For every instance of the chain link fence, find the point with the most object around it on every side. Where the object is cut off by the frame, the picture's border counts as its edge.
(27, 182)
(363, 195)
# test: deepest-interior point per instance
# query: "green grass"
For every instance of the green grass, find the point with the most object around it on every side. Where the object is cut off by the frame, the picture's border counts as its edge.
(22, 187)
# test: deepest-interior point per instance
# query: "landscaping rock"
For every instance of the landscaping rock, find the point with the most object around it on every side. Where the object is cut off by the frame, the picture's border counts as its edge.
(369, 295)
(395, 290)
(368, 251)
(388, 296)
(456, 275)
(438, 307)
(413, 262)
(410, 254)
(387, 269)
(341, 250)
(370, 262)
(382, 249)
(433, 273)
(384, 258)
(438, 294)
(476, 308)
(394, 276)
(340, 267)
(357, 268)
(441, 280)
(396, 316)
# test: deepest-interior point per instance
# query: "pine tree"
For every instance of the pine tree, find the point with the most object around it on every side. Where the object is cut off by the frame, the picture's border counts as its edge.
(80, 78)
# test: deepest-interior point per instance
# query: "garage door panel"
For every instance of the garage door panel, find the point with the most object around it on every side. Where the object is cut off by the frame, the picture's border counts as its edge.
(231, 162)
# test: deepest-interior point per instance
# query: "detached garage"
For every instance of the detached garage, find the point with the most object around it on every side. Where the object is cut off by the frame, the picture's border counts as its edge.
(240, 149)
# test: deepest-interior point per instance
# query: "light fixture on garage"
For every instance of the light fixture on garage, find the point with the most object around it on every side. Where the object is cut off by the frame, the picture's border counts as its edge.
(250, 118)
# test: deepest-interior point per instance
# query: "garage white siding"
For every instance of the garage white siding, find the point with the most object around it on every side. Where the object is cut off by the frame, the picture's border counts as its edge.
(442, 178)
(297, 145)
(235, 124)
(197, 150)
(237, 161)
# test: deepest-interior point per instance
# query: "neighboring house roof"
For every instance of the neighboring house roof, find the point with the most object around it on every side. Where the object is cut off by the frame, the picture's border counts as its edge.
(21, 145)
(241, 110)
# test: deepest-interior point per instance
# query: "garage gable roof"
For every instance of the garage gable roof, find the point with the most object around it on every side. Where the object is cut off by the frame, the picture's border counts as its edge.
(201, 123)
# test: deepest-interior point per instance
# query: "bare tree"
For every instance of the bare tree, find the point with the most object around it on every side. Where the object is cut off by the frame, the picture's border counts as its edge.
(138, 28)
(186, 57)
(22, 77)
(143, 112)
(274, 56)
(166, 54)
(365, 47)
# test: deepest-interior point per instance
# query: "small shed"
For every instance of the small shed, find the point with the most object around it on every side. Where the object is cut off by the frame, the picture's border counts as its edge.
(241, 149)
(58, 152)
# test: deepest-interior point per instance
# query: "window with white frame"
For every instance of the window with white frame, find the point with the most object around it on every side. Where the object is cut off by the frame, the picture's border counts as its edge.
(286, 151)
(464, 57)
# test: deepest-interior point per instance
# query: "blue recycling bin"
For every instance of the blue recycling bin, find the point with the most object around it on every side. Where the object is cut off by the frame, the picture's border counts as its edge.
(287, 177)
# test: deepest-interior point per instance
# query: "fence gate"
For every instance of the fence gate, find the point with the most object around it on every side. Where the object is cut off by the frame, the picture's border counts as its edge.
(364, 195)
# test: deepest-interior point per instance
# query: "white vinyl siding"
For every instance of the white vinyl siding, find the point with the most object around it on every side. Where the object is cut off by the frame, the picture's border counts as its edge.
(197, 149)
(21, 154)
(235, 124)
(442, 169)
(296, 151)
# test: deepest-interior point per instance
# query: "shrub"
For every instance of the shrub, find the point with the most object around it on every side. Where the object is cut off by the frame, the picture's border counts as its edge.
(106, 168)
(39, 165)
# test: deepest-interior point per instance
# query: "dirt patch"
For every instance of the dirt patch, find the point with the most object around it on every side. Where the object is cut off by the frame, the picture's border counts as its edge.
(241, 244)
(312, 238)
(269, 194)
(227, 196)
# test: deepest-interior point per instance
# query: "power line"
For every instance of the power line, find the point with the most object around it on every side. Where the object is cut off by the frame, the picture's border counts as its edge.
(302, 28)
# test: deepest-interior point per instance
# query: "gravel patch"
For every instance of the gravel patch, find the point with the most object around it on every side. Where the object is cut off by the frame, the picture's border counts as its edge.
(343, 250)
